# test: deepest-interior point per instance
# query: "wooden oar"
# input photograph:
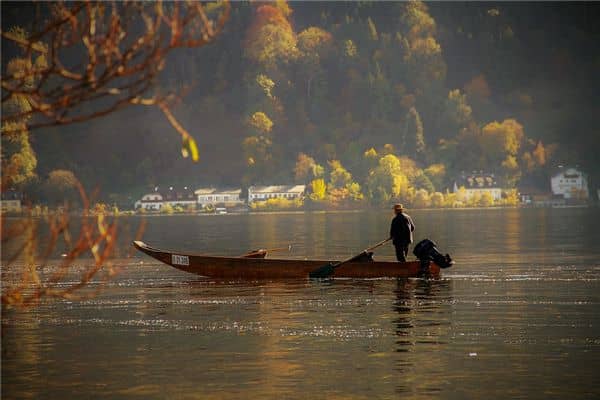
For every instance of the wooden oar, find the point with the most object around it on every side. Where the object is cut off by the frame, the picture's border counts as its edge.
(261, 253)
(329, 268)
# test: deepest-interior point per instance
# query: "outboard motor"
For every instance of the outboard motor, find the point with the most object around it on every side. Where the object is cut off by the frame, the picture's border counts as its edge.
(426, 251)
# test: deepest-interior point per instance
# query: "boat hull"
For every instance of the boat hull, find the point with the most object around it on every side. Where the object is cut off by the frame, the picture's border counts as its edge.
(265, 268)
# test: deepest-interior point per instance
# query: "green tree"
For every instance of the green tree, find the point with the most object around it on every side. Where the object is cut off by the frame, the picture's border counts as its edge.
(413, 142)
(61, 187)
(421, 181)
(307, 169)
(436, 174)
(313, 44)
(459, 113)
(257, 149)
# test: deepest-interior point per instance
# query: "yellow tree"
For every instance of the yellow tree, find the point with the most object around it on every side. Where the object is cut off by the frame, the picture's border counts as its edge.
(257, 147)
(421, 199)
(260, 122)
(486, 199)
(339, 177)
(500, 144)
(318, 188)
(501, 139)
(341, 187)
(386, 180)
(270, 40)
(437, 199)
(18, 158)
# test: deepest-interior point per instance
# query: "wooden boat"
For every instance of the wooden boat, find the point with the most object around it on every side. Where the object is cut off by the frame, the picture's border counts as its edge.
(254, 268)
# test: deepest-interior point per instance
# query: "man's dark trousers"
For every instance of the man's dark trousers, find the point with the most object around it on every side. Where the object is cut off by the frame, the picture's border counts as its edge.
(401, 251)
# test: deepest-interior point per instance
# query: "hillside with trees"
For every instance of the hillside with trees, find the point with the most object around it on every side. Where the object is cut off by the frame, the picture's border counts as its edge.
(363, 102)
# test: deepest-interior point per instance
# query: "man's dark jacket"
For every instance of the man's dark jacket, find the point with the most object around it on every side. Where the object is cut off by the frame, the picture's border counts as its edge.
(402, 229)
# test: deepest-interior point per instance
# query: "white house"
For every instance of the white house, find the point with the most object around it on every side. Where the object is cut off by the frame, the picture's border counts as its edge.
(478, 182)
(11, 201)
(184, 197)
(150, 202)
(212, 196)
(261, 193)
(174, 197)
(570, 183)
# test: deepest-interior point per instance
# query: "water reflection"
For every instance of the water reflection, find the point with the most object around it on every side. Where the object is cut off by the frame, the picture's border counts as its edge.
(422, 328)
(518, 311)
(421, 303)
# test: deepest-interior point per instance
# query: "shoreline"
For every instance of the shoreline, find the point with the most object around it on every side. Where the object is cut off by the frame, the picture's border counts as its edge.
(339, 211)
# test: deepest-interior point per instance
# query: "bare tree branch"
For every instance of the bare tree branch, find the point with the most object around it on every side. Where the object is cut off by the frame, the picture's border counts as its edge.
(29, 276)
(120, 49)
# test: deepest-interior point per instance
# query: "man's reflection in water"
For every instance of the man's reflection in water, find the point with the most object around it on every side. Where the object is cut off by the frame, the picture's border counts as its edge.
(424, 310)
(423, 307)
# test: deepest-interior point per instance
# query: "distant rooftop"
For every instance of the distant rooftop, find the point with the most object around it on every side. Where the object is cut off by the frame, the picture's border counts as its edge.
(277, 189)
(173, 193)
(569, 172)
(476, 180)
(202, 191)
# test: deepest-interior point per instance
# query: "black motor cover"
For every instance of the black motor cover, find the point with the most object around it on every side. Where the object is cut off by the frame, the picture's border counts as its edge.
(426, 251)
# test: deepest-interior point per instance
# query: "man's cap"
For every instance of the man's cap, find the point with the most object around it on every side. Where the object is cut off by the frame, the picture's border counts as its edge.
(398, 207)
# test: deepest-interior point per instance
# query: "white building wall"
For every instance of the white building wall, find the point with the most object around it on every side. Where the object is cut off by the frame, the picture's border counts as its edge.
(568, 182)
(150, 202)
(218, 197)
(265, 195)
(149, 205)
(495, 192)
(11, 205)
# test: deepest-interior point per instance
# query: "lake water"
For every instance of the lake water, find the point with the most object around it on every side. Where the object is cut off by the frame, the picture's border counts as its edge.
(518, 316)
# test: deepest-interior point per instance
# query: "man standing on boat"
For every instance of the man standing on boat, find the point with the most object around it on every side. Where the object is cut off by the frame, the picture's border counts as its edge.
(401, 232)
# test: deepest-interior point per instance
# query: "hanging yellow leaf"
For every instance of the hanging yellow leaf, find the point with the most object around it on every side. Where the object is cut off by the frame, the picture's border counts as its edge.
(190, 148)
